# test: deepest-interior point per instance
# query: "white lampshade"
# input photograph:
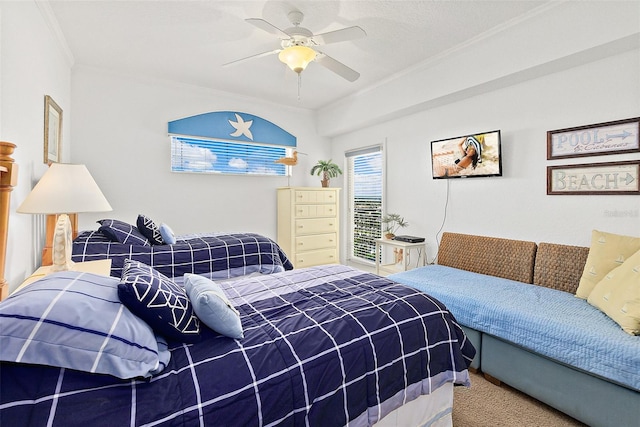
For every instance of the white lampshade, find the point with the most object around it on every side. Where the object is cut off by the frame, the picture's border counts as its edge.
(65, 188)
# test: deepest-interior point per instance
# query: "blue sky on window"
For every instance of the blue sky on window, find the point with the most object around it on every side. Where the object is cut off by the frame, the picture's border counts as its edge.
(209, 156)
(368, 175)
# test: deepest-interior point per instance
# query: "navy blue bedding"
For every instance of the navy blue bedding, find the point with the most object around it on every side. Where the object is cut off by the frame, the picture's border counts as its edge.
(223, 255)
(324, 346)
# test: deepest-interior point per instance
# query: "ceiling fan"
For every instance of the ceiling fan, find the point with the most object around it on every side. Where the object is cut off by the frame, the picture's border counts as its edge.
(298, 45)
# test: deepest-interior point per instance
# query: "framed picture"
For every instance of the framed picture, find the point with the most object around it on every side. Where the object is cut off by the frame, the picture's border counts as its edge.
(52, 130)
(595, 178)
(594, 140)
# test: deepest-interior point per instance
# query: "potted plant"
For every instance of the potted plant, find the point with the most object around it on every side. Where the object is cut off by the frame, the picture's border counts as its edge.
(391, 223)
(327, 170)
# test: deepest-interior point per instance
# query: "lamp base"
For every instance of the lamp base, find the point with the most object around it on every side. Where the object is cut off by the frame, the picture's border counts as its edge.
(62, 241)
(47, 250)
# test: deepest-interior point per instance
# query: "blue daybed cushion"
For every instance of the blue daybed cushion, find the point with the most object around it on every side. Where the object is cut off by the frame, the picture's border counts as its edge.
(119, 231)
(547, 321)
(75, 320)
(159, 301)
(212, 306)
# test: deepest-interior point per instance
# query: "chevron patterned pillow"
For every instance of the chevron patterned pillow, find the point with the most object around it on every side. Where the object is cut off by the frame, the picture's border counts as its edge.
(149, 230)
(159, 301)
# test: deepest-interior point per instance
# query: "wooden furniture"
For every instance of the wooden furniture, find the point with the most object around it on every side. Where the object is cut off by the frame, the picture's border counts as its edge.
(308, 225)
(8, 180)
(405, 256)
(101, 266)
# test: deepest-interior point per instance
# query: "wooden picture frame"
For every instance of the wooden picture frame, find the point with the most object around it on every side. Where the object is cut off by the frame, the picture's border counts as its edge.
(595, 178)
(52, 130)
(620, 136)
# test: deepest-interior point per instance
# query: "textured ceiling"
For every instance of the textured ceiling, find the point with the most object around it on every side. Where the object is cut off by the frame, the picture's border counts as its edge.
(188, 41)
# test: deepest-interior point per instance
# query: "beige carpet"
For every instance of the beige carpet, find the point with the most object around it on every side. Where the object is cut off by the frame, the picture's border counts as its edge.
(488, 405)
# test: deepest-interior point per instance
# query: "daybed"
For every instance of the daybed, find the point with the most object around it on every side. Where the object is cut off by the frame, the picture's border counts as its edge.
(220, 255)
(321, 346)
(516, 301)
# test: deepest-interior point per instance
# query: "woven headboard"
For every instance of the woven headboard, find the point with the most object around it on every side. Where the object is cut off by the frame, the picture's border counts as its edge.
(559, 266)
(510, 259)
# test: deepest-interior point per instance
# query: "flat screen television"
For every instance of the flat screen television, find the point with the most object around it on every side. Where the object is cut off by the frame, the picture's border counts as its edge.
(468, 156)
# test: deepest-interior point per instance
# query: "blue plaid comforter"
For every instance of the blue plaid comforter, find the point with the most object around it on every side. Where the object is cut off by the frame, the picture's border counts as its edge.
(324, 346)
(221, 255)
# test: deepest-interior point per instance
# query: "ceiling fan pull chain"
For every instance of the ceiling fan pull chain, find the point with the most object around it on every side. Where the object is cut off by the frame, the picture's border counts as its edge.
(299, 84)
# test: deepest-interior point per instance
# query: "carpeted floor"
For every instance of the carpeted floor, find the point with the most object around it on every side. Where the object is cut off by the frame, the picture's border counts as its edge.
(488, 405)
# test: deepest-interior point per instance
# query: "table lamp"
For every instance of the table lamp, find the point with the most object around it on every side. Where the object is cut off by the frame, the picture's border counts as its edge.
(63, 189)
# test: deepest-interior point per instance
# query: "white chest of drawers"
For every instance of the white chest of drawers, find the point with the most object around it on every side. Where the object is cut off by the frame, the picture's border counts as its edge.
(308, 225)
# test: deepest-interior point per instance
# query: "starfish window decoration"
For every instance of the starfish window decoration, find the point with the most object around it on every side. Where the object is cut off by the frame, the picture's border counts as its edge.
(241, 127)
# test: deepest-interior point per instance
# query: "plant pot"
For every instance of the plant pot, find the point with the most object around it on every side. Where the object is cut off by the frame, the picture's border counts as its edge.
(389, 236)
(325, 183)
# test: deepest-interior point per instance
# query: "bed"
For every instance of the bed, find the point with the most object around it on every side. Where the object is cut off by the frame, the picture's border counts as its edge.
(322, 346)
(220, 255)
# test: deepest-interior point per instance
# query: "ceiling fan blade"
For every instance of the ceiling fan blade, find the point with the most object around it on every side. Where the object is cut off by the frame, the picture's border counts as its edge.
(268, 27)
(349, 33)
(337, 67)
(259, 55)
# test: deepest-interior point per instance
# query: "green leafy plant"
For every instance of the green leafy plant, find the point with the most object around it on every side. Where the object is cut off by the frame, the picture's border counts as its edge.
(327, 170)
(392, 222)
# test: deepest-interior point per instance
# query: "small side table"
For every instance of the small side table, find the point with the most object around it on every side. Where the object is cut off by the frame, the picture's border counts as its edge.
(101, 266)
(420, 259)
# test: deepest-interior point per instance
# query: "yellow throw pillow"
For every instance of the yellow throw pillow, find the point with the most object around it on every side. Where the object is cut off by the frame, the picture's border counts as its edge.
(607, 252)
(618, 295)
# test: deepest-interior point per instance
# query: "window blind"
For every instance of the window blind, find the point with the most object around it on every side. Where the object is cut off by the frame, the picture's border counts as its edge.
(227, 157)
(365, 189)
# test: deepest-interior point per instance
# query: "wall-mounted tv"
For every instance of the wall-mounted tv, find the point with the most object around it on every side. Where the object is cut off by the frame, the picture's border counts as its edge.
(467, 156)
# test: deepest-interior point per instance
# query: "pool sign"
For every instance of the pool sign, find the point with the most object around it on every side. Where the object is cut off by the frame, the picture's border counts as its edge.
(604, 138)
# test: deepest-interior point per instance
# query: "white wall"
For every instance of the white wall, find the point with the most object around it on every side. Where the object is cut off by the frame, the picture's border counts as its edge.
(556, 36)
(515, 205)
(560, 66)
(120, 130)
(34, 64)
(553, 71)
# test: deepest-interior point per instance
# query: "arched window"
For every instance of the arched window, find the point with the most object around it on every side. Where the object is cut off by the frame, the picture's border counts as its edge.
(227, 142)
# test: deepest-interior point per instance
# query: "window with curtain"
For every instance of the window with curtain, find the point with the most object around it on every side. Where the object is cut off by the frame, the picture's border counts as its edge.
(365, 192)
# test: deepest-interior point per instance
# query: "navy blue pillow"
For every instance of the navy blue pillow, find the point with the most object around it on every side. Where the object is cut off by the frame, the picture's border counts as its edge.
(159, 301)
(119, 231)
(149, 230)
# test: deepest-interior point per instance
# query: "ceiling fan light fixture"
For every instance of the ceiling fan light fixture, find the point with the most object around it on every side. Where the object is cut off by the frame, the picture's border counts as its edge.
(297, 57)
